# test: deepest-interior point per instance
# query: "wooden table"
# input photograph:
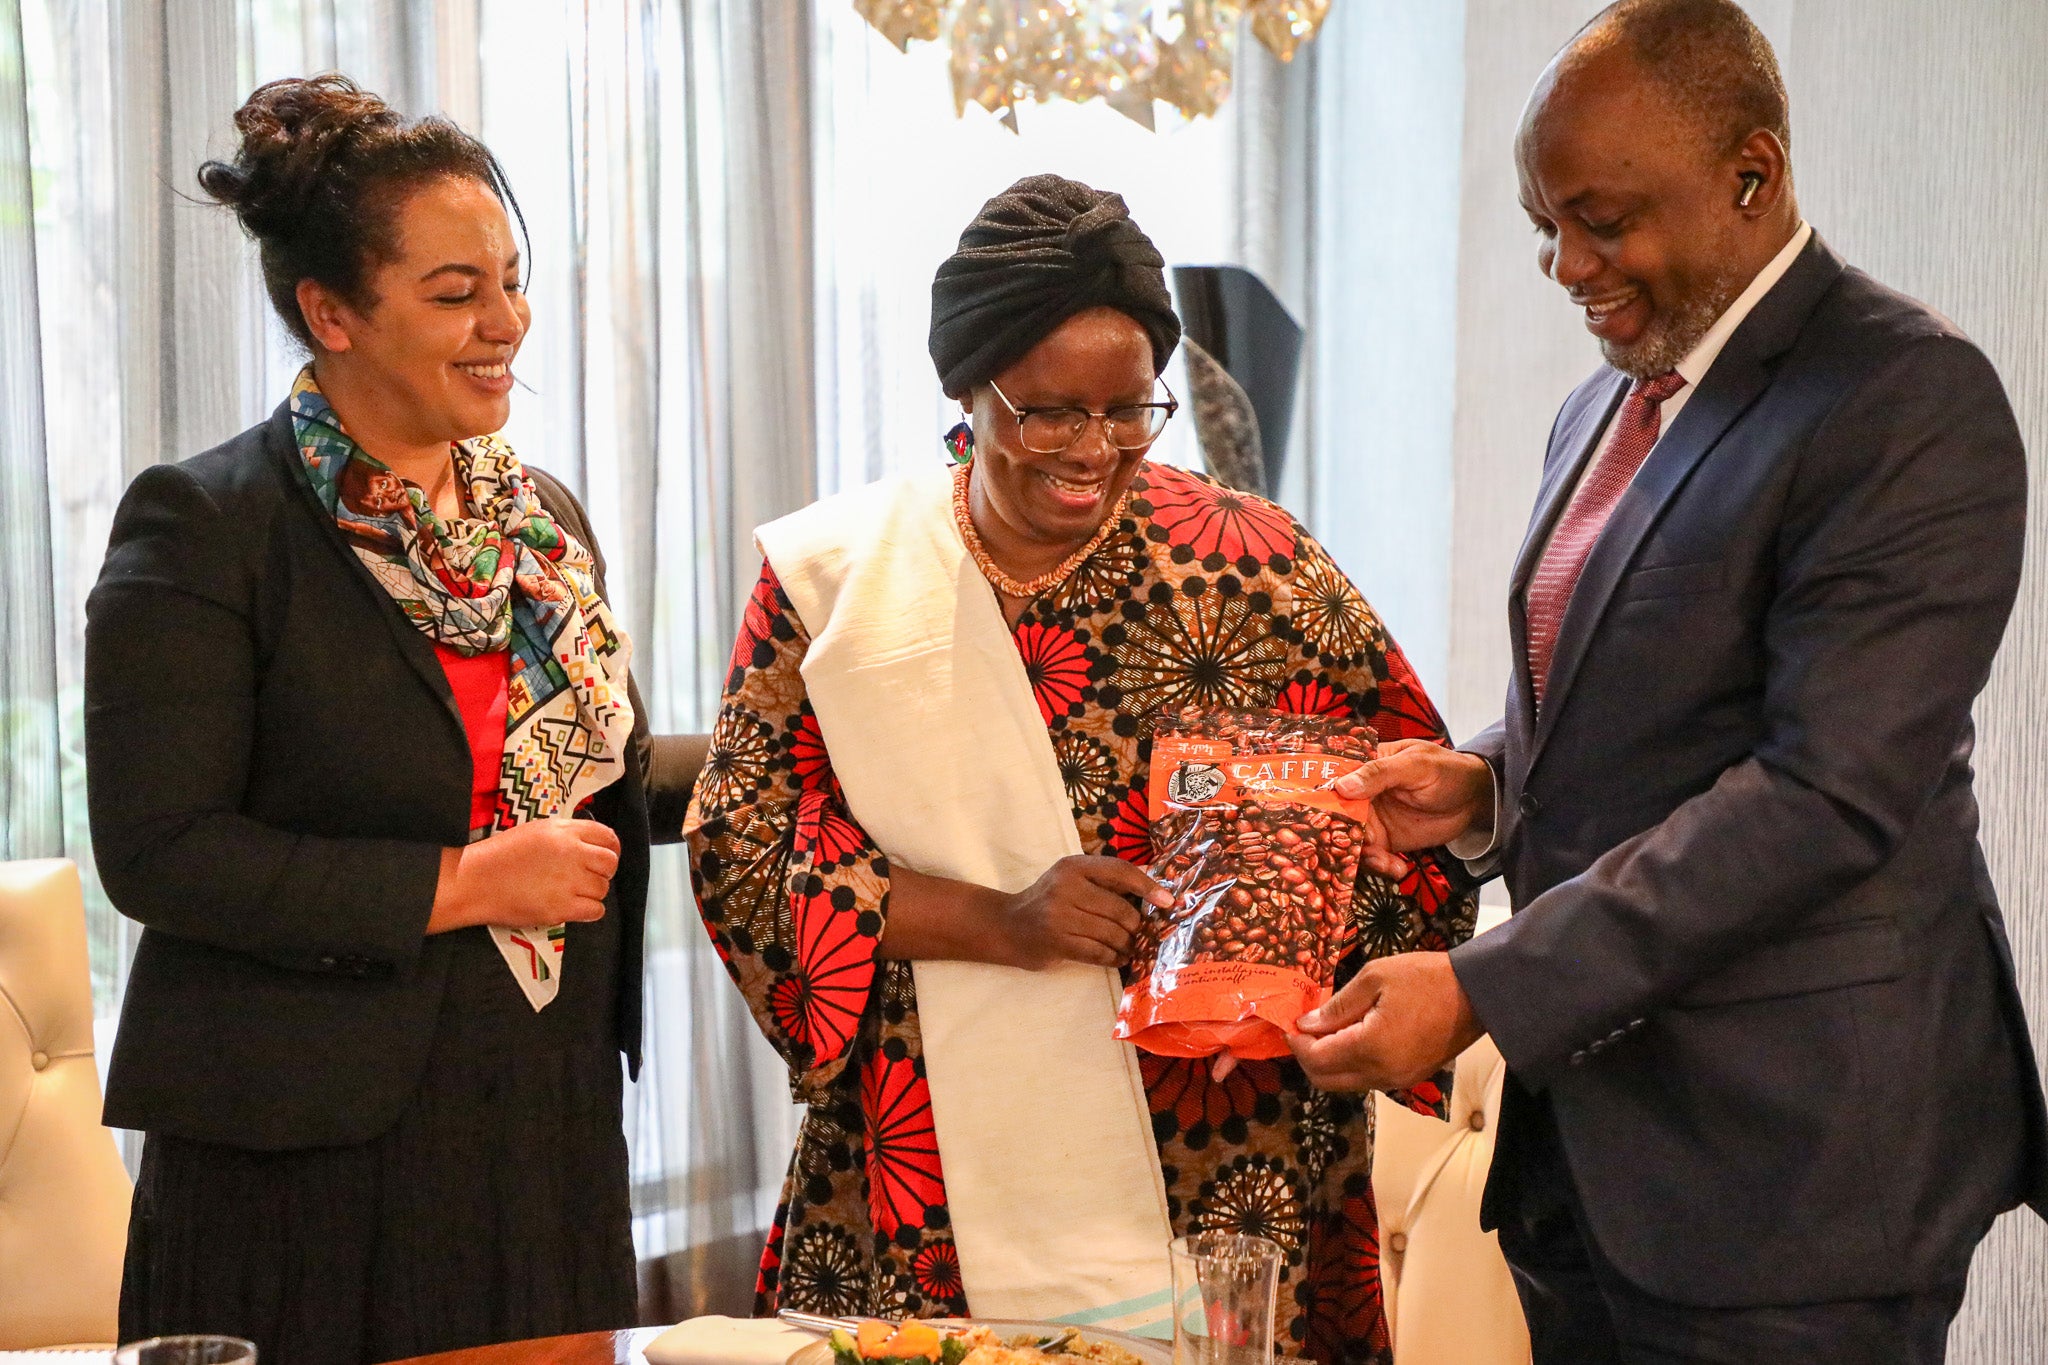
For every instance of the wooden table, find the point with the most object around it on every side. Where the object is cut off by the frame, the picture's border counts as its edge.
(590, 1348)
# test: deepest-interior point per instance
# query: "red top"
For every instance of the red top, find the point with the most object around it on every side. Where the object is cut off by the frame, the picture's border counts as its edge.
(479, 683)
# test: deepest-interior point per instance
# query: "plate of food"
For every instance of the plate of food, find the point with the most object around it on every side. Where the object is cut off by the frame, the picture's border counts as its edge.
(984, 1341)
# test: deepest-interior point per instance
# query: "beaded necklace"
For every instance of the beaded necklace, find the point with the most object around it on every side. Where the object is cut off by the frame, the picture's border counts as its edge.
(1001, 581)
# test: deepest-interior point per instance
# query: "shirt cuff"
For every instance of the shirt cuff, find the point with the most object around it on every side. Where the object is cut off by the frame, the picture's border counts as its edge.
(1475, 847)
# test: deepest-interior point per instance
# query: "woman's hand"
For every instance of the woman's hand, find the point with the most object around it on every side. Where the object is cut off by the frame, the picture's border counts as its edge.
(1080, 910)
(542, 872)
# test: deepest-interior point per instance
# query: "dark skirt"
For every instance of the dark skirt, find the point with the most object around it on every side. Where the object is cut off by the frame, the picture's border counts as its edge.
(497, 1208)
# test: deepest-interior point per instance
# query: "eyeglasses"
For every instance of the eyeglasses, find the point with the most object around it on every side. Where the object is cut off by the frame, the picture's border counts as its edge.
(1048, 431)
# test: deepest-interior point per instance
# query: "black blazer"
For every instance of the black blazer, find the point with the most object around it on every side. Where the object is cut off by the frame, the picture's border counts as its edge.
(1757, 965)
(275, 762)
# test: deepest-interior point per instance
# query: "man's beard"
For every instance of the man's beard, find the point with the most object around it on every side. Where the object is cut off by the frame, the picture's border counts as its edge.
(1672, 338)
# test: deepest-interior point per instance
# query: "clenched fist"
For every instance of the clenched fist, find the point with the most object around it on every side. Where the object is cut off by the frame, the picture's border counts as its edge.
(542, 872)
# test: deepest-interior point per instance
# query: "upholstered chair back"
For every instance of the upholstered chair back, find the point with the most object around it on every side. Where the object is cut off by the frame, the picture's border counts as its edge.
(63, 1191)
(1449, 1297)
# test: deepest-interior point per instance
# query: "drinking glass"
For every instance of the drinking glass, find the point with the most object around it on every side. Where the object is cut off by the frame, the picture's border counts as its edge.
(194, 1350)
(1224, 1290)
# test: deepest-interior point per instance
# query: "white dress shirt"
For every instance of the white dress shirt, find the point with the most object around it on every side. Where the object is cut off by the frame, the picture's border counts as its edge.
(1693, 369)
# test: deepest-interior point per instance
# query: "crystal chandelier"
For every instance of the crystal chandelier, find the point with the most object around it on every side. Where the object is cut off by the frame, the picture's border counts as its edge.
(1127, 53)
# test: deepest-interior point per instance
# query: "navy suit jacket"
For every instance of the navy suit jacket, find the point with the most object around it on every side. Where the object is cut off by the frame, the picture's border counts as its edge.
(1757, 967)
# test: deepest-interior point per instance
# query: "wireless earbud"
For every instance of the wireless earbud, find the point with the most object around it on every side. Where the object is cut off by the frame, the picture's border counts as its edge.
(1751, 183)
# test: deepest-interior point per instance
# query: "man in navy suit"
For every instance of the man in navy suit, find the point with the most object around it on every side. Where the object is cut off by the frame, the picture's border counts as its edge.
(1769, 1080)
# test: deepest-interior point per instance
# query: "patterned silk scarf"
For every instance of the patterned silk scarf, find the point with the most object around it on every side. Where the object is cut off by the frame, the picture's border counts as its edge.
(505, 578)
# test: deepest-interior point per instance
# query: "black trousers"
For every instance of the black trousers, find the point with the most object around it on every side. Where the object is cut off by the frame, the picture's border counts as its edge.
(1582, 1311)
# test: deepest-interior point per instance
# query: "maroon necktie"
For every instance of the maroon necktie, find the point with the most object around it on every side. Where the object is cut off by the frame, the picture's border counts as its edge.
(1578, 530)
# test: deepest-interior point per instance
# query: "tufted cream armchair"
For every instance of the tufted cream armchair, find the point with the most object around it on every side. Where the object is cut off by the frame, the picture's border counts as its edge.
(63, 1192)
(1450, 1299)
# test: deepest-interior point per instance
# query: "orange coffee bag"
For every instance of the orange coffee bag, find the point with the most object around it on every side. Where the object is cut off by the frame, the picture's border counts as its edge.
(1261, 855)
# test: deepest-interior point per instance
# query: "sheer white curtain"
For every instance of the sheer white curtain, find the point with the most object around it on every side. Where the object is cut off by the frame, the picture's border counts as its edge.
(142, 316)
(736, 209)
(142, 313)
(669, 382)
(656, 148)
(31, 797)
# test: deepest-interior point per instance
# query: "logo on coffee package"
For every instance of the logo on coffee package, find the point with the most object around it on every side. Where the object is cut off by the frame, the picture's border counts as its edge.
(1194, 784)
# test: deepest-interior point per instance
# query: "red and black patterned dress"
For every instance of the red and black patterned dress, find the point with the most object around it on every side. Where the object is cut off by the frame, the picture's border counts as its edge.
(1202, 595)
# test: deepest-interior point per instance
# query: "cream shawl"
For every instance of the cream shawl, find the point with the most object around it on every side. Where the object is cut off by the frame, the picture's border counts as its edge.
(1052, 1174)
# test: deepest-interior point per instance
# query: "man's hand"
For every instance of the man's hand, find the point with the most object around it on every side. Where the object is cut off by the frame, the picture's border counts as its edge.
(1401, 1020)
(1424, 794)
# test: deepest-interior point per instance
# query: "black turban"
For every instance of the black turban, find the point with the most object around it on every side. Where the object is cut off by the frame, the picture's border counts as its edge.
(1038, 253)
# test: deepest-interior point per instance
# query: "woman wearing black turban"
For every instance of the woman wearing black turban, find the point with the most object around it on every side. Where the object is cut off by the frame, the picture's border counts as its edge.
(920, 837)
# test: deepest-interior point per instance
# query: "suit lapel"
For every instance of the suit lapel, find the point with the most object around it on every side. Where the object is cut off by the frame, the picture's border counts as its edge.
(1739, 375)
(413, 645)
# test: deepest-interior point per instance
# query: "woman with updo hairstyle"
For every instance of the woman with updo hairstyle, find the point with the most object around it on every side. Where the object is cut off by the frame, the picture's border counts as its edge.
(921, 837)
(367, 765)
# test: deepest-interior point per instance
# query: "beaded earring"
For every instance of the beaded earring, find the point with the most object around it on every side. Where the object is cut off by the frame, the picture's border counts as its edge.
(960, 443)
